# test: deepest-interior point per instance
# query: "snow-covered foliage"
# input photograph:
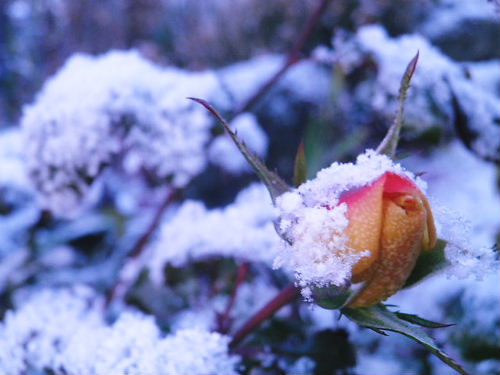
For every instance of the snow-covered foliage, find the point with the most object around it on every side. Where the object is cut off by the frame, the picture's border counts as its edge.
(118, 105)
(64, 330)
(437, 80)
(243, 230)
(133, 236)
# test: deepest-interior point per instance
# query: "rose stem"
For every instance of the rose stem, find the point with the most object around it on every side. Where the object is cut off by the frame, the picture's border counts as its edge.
(286, 296)
(133, 264)
(224, 322)
(292, 58)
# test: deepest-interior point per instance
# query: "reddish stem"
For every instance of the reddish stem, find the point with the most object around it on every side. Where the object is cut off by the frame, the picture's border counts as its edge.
(133, 261)
(292, 58)
(284, 297)
(225, 319)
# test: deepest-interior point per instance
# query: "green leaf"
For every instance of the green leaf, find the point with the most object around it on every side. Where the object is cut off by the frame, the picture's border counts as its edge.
(415, 319)
(428, 263)
(300, 166)
(379, 318)
(275, 185)
(390, 142)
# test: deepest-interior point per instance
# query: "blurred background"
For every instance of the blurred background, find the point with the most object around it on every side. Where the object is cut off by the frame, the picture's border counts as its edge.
(92, 97)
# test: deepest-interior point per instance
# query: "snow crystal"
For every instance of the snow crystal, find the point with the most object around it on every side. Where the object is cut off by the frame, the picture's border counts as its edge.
(243, 230)
(97, 108)
(465, 258)
(224, 153)
(317, 248)
(63, 331)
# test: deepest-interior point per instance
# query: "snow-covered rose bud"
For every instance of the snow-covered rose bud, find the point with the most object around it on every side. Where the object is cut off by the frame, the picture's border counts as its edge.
(391, 218)
(356, 223)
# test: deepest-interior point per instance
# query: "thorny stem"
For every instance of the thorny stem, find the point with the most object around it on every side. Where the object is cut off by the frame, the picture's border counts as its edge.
(284, 297)
(225, 319)
(133, 264)
(292, 58)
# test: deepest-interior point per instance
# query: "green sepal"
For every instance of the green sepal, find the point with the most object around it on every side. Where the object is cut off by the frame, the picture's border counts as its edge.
(415, 319)
(428, 263)
(332, 297)
(390, 142)
(380, 319)
(275, 185)
(300, 166)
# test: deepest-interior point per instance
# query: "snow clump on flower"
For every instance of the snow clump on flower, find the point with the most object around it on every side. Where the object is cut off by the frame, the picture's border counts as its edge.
(96, 110)
(314, 223)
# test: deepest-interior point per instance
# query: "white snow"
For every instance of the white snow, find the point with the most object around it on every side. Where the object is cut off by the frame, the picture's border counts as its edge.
(306, 80)
(465, 200)
(448, 14)
(243, 230)
(429, 101)
(64, 331)
(12, 169)
(96, 109)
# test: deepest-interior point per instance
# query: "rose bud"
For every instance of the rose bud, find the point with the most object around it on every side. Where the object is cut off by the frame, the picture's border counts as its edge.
(392, 219)
(363, 223)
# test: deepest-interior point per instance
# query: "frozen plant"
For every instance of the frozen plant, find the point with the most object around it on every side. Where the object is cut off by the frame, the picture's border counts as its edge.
(440, 85)
(368, 225)
(115, 107)
(242, 230)
(63, 331)
(366, 222)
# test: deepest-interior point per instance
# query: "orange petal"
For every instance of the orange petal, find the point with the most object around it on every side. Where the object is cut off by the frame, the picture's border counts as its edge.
(402, 233)
(365, 223)
(399, 184)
